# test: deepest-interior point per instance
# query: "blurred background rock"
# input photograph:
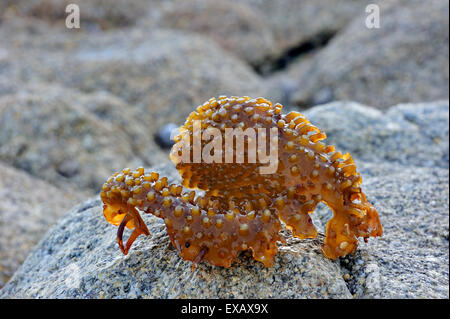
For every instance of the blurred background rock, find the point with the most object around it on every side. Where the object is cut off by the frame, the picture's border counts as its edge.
(79, 104)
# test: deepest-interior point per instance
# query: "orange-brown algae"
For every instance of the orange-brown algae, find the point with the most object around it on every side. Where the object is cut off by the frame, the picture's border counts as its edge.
(242, 209)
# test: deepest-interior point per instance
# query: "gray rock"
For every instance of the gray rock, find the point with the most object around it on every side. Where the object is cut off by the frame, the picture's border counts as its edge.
(234, 26)
(409, 134)
(405, 60)
(282, 85)
(93, 13)
(60, 137)
(165, 74)
(411, 259)
(26, 42)
(298, 21)
(126, 118)
(255, 30)
(28, 208)
(79, 258)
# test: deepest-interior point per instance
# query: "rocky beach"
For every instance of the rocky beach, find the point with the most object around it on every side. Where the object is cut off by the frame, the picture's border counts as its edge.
(77, 105)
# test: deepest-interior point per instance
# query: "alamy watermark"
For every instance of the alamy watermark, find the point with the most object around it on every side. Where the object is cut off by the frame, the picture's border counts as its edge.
(372, 19)
(73, 17)
(219, 147)
(261, 144)
(373, 16)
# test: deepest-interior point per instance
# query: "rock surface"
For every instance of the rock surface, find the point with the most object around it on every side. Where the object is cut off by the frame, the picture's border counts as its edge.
(79, 256)
(236, 27)
(29, 207)
(411, 259)
(256, 30)
(409, 134)
(163, 74)
(405, 60)
(299, 21)
(61, 136)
